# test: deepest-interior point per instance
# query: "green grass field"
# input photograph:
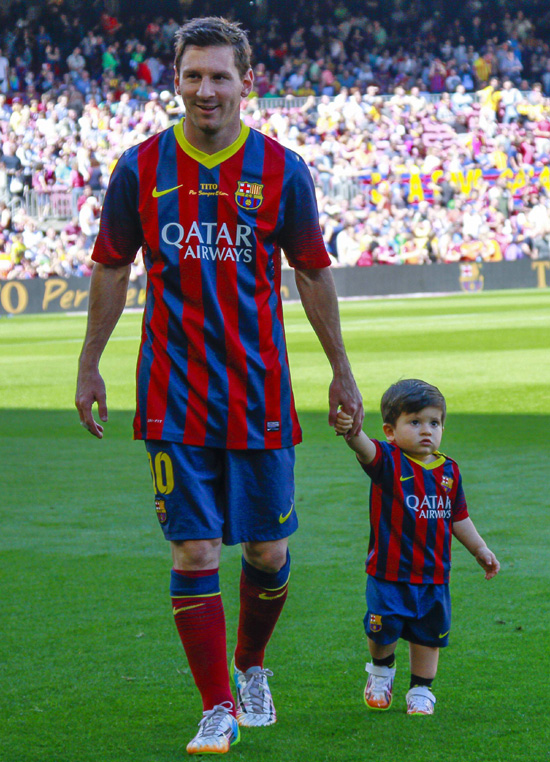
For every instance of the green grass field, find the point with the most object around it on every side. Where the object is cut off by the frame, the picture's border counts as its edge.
(91, 669)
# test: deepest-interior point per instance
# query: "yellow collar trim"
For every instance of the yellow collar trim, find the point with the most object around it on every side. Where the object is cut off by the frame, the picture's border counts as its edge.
(210, 160)
(429, 466)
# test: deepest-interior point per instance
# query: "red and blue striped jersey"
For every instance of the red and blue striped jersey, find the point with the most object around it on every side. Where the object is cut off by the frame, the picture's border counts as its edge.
(413, 506)
(213, 367)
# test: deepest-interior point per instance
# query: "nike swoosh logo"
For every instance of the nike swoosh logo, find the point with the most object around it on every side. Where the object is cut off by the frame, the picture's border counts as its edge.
(266, 597)
(444, 634)
(186, 608)
(158, 194)
(404, 478)
(282, 518)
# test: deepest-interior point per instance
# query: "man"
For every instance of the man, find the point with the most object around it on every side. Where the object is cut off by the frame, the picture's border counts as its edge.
(211, 202)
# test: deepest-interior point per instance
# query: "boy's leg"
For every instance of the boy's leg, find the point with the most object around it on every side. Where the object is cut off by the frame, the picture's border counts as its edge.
(423, 661)
(381, 652)
(427, 633)
(383, 628)
(381, 671)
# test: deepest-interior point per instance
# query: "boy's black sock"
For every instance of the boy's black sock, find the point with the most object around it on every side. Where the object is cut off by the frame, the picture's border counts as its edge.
(388, 661)
(416, 680)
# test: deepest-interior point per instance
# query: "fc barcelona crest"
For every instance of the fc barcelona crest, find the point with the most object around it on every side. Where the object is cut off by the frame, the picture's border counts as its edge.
(471, 278)
(249, 196)
(160, 507)
(447, 483)
(375, 622)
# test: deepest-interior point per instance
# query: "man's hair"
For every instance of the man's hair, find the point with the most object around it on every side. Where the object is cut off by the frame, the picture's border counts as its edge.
(214, 31)
(410, 395)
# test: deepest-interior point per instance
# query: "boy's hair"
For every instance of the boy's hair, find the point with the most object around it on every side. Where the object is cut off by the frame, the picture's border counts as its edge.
(410, 395)
(214, 31)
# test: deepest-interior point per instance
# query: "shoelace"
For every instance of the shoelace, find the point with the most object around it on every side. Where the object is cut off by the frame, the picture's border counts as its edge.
(380, 684)
(213, 718)
(422, 703)
(254, 690)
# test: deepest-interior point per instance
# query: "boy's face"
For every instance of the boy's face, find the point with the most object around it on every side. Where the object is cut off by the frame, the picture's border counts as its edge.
(417, 434)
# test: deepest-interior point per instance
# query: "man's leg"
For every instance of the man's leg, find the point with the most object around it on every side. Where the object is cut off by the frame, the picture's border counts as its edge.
(263, 590)
(199, 616)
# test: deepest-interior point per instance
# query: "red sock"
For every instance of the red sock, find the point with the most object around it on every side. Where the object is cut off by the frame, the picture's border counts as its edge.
(201, 626)
(259, 612)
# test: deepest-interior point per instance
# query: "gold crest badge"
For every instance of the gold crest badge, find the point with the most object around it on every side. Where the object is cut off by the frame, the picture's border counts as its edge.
(249, 196)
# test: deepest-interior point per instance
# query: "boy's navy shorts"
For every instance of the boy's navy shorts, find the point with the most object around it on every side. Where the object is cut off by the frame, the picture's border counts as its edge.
(418, 613)
(204, 493)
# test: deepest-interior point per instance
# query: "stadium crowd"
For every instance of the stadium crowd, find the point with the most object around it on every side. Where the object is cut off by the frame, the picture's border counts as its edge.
(427, 133)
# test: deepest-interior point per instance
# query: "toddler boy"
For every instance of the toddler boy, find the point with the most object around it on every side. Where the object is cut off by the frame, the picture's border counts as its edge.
(416, 504)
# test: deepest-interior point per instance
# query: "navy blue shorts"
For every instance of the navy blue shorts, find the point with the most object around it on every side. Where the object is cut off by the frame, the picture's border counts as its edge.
(418, 613)
(204, 493)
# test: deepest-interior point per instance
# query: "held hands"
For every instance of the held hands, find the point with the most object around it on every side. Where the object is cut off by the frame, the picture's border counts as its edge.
(488, 561)
(343, 424)
(343, 393)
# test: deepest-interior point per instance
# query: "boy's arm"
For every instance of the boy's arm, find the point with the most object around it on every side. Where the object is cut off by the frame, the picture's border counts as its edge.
(360, 443)
(466, 533)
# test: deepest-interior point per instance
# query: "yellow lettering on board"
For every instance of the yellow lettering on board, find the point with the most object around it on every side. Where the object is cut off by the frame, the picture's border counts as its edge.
(7, 299)
(79, 297)
(53, 289)
(66, 301)
(541, 268)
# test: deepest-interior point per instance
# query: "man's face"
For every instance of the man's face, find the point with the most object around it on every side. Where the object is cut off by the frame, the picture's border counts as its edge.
(211, 88)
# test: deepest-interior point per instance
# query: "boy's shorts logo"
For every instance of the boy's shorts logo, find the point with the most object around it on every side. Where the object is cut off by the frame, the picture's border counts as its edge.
(375, 622)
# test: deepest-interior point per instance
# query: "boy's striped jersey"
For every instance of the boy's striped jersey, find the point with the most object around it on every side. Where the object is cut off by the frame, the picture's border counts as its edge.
(213, 368)
(413, 506)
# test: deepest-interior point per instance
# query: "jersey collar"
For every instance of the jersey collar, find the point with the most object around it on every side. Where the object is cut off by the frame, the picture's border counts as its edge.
(429, 466)
(210, 160)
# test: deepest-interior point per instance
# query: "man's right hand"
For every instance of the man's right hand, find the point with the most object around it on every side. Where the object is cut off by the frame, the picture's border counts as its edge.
(90, 388)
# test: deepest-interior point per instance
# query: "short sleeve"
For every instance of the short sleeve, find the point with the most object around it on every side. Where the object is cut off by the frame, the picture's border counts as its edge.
(460, 508)
(375, 468)
(301, 236)
(120, 233)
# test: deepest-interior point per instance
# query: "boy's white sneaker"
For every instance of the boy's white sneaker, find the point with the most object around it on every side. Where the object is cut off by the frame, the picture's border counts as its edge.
(218, 731)
(420, 700)
(379, 687)
(255, 707)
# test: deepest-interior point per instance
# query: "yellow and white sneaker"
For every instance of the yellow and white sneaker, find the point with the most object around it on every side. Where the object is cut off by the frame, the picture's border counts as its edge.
(218, 731)
(379, 687)
(255, 707)
(420, 700)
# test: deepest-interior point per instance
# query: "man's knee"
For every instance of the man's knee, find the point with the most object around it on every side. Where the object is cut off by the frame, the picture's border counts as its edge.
(266, 556)
(196, 555)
